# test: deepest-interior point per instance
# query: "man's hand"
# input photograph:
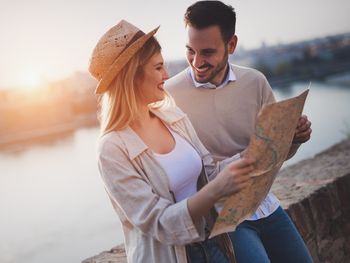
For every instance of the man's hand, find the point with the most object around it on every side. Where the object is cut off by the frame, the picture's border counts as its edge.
(303, 130)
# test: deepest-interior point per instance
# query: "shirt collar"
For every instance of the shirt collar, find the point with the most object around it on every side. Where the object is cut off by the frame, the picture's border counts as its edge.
(229, 77)
(134, 144)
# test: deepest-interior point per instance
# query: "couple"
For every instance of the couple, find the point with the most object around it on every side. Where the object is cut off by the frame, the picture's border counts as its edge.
(154, 156)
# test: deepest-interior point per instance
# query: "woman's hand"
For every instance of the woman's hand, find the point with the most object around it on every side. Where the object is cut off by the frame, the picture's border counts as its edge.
(233, 178)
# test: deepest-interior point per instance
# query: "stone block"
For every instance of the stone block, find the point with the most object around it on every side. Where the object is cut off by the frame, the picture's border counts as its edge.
(302, 217)
(343, 187)
(323, 211)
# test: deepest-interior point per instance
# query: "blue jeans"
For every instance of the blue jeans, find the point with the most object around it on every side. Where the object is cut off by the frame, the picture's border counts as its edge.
(272, 239)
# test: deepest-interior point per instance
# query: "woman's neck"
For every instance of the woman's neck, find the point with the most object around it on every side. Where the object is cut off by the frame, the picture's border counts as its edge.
(144, 117)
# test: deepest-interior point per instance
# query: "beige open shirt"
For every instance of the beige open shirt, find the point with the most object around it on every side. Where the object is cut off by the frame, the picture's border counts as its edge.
(156, 228)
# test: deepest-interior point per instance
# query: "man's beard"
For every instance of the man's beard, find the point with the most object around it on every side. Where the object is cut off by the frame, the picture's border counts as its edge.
(215, 71)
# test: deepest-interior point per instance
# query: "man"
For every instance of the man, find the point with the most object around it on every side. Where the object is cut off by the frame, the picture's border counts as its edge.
(222, 101)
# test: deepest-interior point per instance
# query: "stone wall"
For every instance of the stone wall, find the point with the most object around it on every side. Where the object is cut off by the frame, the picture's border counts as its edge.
(316, 194)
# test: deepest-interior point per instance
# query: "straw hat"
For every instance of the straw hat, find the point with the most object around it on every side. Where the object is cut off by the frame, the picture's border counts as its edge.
(115, 48)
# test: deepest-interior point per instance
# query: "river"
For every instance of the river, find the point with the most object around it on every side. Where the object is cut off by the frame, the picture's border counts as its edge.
(53, 204)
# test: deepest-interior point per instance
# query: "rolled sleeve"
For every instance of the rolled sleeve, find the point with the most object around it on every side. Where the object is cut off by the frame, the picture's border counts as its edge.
(213, 168)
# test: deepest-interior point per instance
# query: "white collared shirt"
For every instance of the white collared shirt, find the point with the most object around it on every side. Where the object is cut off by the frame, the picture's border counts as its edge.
(229, 77)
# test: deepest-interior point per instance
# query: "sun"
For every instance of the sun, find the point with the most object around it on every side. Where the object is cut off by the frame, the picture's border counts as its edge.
(29, 79)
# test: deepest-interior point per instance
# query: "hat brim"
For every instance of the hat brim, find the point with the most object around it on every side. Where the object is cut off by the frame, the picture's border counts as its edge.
(121, 61)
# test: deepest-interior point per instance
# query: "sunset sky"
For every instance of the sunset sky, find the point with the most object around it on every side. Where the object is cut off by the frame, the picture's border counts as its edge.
(43, 40)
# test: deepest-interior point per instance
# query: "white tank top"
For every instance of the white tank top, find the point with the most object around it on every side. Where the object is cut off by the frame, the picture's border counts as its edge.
(182, 166)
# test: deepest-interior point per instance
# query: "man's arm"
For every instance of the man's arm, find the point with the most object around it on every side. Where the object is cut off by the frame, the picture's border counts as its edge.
(302, 135)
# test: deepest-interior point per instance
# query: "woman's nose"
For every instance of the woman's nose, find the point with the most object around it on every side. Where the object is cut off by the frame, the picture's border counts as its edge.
(165, 74)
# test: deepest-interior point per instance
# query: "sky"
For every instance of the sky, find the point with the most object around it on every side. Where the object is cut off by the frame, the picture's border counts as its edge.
(44, 40)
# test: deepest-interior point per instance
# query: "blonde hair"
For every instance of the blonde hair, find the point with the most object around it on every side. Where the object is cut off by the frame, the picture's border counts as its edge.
(119, 104)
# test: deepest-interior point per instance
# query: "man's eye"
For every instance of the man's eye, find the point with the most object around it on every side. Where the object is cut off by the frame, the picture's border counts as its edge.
(209, 52)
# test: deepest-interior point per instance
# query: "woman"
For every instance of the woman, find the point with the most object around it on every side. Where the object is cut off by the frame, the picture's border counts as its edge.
(150, 158)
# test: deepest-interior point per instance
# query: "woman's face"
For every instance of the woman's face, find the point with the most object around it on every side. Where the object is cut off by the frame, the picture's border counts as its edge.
(151, 82)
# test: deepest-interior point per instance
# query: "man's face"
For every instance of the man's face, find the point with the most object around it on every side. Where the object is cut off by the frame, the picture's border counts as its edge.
(207, 53)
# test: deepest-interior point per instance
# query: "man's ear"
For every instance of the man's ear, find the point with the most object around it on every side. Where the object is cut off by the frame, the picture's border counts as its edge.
(231, 45)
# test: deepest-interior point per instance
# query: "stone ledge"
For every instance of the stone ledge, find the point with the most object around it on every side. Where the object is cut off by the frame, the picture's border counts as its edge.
(316, 194)
(299, 181)
(114, 255)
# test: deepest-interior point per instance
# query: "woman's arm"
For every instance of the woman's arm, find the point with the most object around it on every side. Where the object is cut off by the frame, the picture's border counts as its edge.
(233, 178)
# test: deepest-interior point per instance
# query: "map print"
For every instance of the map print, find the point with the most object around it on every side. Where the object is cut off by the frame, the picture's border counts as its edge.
(269, 147)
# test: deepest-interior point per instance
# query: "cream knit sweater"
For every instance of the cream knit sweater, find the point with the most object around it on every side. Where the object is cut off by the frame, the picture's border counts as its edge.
(223, 118)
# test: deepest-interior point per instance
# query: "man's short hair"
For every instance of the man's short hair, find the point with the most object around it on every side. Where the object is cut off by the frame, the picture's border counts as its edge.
(203, 14)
